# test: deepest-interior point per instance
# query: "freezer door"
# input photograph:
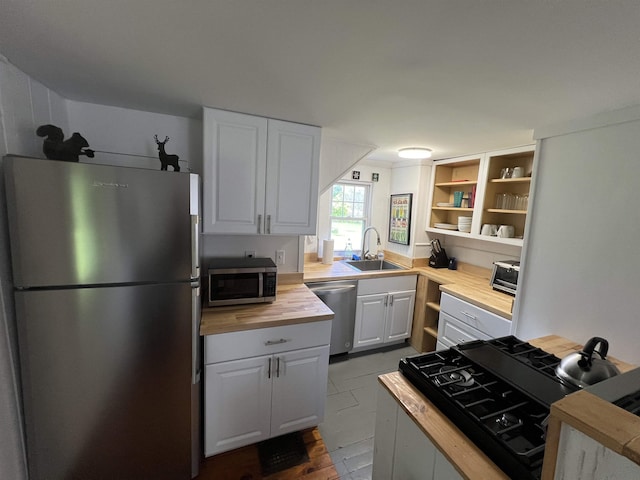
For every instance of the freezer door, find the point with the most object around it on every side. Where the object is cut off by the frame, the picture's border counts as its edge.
(84, 224)
(107, 381)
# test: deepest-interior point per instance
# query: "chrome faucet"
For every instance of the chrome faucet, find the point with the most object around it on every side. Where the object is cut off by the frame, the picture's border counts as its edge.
(365, 253)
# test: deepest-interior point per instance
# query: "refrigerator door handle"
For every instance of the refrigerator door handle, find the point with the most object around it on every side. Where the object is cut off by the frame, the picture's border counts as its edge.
(195, 246)
(195, 344)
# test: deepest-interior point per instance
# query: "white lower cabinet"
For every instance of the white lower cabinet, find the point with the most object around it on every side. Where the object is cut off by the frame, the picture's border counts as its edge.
(237, 403)
(401, 450)
(384, 311)
(266, 395)
(461, 322)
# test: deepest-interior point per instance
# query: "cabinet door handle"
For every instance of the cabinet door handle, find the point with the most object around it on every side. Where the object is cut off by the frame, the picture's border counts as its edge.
(269, 224)
(468, 315)
(277, 342)
(278, 367)
(391, 299)
(259, 223)
(269, 369)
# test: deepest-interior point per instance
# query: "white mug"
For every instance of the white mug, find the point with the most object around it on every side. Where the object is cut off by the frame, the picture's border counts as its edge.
(489, 229)
(517, 172)
(506, 231)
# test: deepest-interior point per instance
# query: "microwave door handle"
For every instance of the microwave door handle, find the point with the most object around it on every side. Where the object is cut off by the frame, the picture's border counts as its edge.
(505, 283)
(260, 284)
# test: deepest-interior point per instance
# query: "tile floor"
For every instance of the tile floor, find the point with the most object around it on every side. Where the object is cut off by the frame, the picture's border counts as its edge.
(349, 420)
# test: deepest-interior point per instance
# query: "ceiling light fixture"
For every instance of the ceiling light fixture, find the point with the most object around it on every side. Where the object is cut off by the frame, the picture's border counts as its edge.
(414, 152)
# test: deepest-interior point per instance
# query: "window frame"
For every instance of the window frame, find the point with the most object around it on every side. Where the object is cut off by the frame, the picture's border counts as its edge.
(365, 219)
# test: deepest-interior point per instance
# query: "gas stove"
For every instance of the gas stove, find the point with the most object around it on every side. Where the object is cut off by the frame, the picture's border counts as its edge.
(497, 392)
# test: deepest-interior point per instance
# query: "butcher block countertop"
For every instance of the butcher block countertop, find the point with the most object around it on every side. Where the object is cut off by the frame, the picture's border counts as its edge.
(294, 304)
(468, 283)
(463, 454)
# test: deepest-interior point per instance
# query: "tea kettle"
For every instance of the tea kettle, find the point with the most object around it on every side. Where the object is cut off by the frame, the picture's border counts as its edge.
(584, 368)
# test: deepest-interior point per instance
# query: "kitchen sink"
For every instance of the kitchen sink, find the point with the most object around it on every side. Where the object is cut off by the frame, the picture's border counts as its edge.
(369, 265)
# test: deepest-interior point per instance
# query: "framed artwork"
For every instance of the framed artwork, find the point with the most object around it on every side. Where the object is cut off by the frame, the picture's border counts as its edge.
(400, 218)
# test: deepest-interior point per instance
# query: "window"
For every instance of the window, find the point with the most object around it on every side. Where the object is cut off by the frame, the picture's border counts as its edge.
(349, 214)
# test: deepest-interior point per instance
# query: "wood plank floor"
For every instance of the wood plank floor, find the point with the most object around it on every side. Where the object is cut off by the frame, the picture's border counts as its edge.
(243, 464)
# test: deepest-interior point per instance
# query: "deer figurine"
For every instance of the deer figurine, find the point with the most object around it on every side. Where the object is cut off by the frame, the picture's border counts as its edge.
(165, 159)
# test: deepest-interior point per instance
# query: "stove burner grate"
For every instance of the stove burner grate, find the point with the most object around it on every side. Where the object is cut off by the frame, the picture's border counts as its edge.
(506, 421)
(528, 354)
(630, 403)
(449, 375)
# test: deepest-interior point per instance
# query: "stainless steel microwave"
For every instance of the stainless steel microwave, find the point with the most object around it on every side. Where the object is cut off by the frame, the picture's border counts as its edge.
(505, 276)
(237, 281)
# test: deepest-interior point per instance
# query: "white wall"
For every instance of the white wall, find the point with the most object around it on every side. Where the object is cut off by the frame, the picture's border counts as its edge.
(24, 105)
(125, 137)
(263, 245)
(581, 268)
(413, 179)
(379, 207)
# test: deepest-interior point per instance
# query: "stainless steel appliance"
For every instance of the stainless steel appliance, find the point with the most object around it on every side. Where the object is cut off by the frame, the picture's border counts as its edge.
(105, 265)
(237, 281)
(340, 296)
(505, 276)
(584, 368)
(497, 392)
(622, 390)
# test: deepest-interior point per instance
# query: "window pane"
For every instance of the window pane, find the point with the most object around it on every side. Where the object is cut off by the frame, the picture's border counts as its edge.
(338, 210)
(359, 194)
(349, 193)
(348, 210)
(358, 210)
(337, 193)
(343, 231)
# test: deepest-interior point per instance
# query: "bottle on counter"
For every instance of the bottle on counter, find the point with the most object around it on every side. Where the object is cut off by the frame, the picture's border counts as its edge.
(348, 250)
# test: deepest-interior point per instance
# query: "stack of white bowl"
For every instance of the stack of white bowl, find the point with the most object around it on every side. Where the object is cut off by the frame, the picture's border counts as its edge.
(464, 224)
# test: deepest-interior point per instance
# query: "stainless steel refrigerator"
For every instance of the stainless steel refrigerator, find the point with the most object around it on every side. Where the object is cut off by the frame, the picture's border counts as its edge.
(105, 267)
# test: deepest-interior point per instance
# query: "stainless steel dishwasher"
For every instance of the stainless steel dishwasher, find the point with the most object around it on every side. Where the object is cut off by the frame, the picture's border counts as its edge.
(339, 296)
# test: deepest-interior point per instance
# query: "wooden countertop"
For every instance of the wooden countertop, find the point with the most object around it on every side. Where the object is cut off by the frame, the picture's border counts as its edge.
(468, 459)
(294, 304)
(471, 286)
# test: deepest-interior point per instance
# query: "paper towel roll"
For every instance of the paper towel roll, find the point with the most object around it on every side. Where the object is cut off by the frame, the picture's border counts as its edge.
(327, 252)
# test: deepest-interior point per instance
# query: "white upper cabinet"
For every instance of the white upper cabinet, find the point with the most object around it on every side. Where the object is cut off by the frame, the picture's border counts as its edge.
(260, 175)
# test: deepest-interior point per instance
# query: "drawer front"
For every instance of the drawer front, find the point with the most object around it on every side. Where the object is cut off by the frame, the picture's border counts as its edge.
(265, 341)
(453, 332)
(370, 286)
(480, 319)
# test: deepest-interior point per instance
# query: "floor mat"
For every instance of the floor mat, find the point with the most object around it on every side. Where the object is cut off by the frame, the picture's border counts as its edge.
(280, 453)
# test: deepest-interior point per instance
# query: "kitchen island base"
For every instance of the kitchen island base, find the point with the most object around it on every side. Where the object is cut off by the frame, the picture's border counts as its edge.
(415, 440)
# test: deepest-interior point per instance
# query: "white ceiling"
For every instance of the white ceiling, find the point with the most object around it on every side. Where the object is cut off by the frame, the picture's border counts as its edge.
(458, 76)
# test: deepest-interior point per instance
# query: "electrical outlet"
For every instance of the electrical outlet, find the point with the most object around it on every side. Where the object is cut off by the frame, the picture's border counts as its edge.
(279, 257)
(249, 253)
